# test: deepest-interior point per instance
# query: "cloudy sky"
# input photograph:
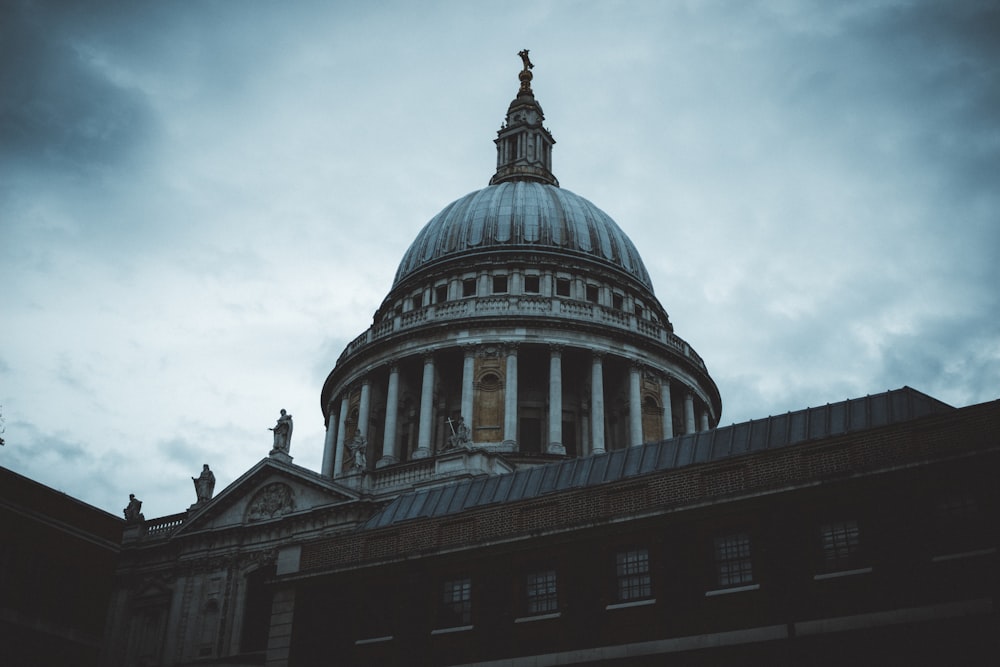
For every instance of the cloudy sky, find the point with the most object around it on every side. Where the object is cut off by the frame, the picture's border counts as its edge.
(201, 203)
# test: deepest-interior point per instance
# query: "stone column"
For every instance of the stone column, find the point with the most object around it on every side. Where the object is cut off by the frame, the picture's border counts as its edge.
(510, 397)
(597, 403)
(426, 410)
(689, 412)
(389, 454)
(555, 401)
(330, 442)
(338, 464)
(279, 634)
(635, 403)
(704, 421)
(468, 376)
(668, 408)
(364, 408)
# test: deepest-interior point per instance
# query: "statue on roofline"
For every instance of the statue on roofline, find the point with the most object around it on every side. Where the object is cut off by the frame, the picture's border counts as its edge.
(282, 433)
(204, 484)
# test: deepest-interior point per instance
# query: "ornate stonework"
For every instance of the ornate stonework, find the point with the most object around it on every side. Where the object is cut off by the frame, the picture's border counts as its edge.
(272, 501)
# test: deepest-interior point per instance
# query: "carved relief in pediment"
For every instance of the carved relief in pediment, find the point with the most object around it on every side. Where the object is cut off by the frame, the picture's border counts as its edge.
(274, 500)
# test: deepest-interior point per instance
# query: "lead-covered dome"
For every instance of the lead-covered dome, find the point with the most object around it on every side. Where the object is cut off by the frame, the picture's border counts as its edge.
(522, 216)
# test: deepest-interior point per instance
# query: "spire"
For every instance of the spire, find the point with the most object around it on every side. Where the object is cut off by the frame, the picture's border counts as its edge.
(524, 147)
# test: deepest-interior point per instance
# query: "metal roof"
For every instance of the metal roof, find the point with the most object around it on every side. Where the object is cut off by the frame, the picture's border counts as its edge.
(774, 432)
(524, 216)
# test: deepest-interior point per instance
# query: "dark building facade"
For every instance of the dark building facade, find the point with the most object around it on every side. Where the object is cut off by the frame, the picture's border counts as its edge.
(57, 564)
(863, 531)
(523, 465)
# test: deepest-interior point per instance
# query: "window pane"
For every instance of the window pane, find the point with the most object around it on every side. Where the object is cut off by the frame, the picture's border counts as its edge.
(733, 565)
(841, 541)
(456, 602)
(541, 592)
(633, 575)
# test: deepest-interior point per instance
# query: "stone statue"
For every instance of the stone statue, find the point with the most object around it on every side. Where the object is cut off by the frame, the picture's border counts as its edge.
(459, 433)
(204, 484)
(359, 457)
(132, 513)
(524, 58)
(282, 433)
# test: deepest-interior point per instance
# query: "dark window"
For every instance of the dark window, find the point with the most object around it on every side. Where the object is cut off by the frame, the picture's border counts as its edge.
(441, 293)
(733, 566)
(469, 287)
(638, 311)
(632, 570)
(592, 293)
(541, 593)
(959, 505)
(417, 301)
(456, 603)
(841, 544)
(531, 285)
(531, 435)
(958, 525)
(617, 301)
(257, 611)
(499, 284)
(569, 437)
(562, 286)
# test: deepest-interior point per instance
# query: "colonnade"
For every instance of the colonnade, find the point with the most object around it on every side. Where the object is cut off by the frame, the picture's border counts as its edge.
(594, 425)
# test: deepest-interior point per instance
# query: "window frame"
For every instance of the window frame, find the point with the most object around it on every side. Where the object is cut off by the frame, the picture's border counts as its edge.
(841, 548)
(633, 577)
(732, 562)
(453, 611)
(536, 280)
(544, 601)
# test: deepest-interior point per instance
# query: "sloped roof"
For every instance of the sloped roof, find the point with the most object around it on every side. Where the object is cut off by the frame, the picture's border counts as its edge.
(850, 416)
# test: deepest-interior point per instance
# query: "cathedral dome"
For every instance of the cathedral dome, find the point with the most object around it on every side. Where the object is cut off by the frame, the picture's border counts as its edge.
(519, 216)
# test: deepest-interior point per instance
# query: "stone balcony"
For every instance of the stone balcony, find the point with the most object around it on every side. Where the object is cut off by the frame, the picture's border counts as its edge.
(521, 306)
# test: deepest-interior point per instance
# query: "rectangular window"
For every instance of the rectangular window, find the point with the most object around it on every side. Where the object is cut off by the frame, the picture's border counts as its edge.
(638, 311)
(440, 293)
(617, 301)
(841, 544)
(592, 293)
(532, 285)
(541, 596)
(562, 286)
(417, 300)
(733, 566)
(632, 569)
(469, 287)
(456, 603)
(499, 284)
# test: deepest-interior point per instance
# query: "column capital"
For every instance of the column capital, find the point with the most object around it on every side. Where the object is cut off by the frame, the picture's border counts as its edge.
(556, 349)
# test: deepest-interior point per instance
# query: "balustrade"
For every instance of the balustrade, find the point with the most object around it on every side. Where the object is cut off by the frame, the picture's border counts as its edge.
(511, 305)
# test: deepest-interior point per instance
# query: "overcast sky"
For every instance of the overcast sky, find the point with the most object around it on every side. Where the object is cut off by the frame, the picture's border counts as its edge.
(201, 203)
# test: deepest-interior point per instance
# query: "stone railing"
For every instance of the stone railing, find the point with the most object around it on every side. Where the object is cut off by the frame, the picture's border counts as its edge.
(510, 306)
(161, 526)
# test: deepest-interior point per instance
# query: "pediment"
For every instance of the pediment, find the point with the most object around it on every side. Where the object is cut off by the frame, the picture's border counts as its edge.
(270, 491)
